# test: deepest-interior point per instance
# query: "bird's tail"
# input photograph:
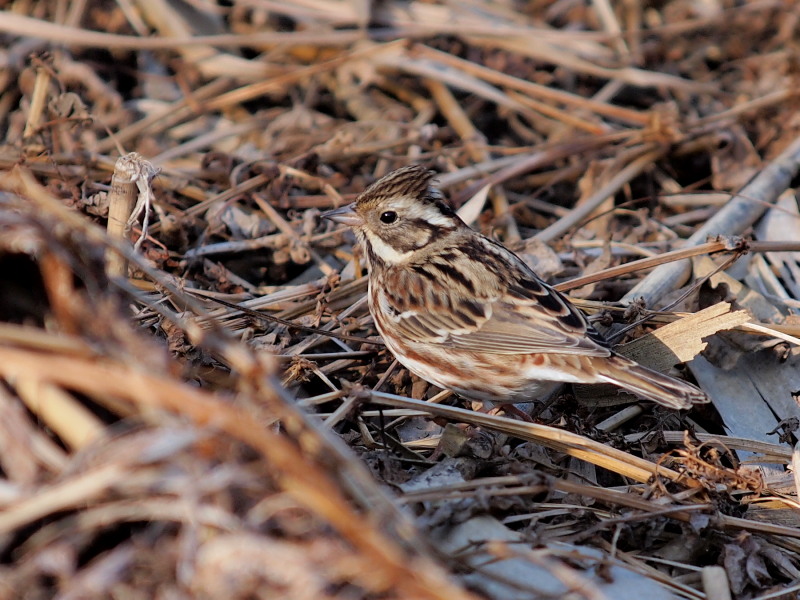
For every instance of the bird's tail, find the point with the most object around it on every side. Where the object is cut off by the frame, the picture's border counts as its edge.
(651, 385)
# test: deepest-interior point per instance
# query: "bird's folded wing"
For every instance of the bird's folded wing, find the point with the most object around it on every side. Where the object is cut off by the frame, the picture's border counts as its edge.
(504, 328)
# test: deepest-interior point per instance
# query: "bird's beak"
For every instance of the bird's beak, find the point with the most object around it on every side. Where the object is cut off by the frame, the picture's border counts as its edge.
(346, 215)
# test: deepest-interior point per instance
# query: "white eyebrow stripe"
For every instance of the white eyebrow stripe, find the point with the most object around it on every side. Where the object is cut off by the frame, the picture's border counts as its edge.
(412, 208)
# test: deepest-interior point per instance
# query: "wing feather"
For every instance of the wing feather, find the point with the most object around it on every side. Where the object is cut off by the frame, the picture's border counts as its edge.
(520, 316)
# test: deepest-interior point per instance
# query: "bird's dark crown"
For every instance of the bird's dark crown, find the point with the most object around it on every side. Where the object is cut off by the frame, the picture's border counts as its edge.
(413, 182)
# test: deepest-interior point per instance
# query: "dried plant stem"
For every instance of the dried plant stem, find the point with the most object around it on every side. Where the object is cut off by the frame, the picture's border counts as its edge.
(575, 445)
(34, 338)
(575, 217)
(520, 165)
(307, 483)
(672, 256)
(565, 117)
(280, 82)
(72, 493)
(738, 214)
(70, 420)
(475, 142)
(41, 87)
(535, 90)
(21, 25)
(121, 200)
(169, 116)
(643, 263)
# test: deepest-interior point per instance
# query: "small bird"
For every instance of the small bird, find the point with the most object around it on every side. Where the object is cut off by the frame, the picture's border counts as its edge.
(465, 313)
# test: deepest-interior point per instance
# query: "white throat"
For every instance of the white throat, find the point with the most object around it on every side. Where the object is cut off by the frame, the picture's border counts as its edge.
(386, 253)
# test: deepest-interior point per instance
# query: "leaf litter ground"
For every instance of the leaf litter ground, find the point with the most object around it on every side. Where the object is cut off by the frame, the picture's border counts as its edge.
(212, 415)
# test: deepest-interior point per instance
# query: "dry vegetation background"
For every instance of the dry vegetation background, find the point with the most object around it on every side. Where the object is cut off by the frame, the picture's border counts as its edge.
(155, 443)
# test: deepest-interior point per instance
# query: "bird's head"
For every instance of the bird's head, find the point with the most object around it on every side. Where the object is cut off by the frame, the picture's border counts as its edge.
(399, 215)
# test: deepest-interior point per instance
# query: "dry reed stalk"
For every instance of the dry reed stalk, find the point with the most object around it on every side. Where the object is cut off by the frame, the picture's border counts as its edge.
(121, 199)
(41, 91)
(574, 445)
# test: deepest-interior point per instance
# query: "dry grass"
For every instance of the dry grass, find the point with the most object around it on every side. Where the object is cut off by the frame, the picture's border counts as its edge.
(194, 402)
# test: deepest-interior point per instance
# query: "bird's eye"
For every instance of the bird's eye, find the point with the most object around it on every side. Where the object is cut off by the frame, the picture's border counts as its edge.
(389, 217)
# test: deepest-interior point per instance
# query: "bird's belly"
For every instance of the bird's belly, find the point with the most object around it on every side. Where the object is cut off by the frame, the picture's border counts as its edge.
(504, 379)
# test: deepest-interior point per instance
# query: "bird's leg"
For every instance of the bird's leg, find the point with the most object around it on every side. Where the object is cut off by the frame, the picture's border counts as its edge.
(506, 407)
